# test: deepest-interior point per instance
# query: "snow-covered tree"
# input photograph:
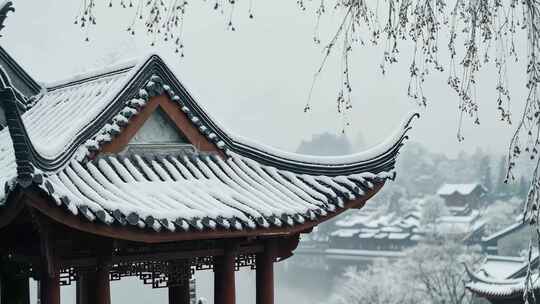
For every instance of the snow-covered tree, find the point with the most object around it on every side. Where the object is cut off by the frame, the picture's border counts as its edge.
(502, 189)
(484, 172)
(500, 214)
(432, 209)
(326, 144)
(384, 282)
(429, 273)
(438, 270)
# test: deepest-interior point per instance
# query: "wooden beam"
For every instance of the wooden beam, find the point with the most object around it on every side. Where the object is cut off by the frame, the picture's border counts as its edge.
(40, 202)
(286, 247)
(224, 278)
(13, 207)
(47, 255)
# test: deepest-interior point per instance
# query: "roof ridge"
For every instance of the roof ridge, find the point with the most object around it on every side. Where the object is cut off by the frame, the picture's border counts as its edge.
(26, 152)
(117, 68)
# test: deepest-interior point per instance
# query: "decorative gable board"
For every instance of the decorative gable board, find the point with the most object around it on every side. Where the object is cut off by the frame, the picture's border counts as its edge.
(159, 129)
(159, 125)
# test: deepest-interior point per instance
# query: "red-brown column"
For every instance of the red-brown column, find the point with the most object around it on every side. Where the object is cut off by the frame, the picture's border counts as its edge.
(49, 288)
(265, 277)
(224, 286)
(94, 287)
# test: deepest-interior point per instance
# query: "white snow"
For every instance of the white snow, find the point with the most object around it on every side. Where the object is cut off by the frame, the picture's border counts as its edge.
(463, 189)
(174, 189)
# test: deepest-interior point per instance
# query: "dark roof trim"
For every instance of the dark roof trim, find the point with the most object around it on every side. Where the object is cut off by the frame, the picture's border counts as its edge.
(153, 78)
(385, 161)
(4, 10)
(41, 201)
(91, 77)
(20, 72)
(21, 143)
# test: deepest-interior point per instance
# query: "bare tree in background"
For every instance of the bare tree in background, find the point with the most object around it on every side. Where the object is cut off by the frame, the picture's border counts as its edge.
(481, 32)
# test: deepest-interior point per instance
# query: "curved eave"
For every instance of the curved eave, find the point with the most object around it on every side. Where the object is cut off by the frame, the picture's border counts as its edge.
(154, 75)
(496, 292)
(375, 163)
(40, 201)
(493, 288)
(16, 124)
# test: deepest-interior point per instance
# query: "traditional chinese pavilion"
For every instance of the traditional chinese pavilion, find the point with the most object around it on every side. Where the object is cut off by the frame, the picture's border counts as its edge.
(501, 280)
(121, 173)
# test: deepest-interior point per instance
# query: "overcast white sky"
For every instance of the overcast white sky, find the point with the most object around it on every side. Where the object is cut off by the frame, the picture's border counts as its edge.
(256, 80)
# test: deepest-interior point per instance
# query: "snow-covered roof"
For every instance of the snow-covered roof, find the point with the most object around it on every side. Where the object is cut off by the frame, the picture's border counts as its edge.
(398, 235)
(55, 146)
(501, 267)
(502, 277)
(355, 218)
(361, 253)
(501, 288)
(345, 233)
(505, 231)
(181, 192)
(463, 189)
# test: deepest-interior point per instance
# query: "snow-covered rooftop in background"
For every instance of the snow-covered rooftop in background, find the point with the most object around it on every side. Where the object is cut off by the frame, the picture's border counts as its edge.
(503, 277)
(361, 254)
(505, 231)
(345, 233)
(463, 189)
(501, 267)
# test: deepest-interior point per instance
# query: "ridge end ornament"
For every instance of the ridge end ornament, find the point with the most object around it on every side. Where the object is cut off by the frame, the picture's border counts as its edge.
(5, 8)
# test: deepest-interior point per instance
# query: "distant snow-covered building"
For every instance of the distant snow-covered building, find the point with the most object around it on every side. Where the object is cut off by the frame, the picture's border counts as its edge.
(461, 198)
(375, 235)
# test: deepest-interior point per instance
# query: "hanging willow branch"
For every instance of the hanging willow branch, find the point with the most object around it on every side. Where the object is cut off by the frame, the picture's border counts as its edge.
(476, 33)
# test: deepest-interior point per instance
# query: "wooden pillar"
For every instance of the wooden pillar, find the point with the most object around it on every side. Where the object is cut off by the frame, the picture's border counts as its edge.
(265, 277)
(94, 287)
(224, 285)
(49, 282)
(49, 289)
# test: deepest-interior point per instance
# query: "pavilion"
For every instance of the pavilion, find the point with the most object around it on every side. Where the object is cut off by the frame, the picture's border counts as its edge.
(120, 172)
(501, 279)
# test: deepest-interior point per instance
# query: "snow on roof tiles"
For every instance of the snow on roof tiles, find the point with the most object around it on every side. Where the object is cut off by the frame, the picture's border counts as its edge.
(252, 186)
(180, 192)
(62, 113)
(505, 231)
(463, 189)
(501, 267)
(502, 277)
(333, 253)
(345, 233)
(503, 288)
